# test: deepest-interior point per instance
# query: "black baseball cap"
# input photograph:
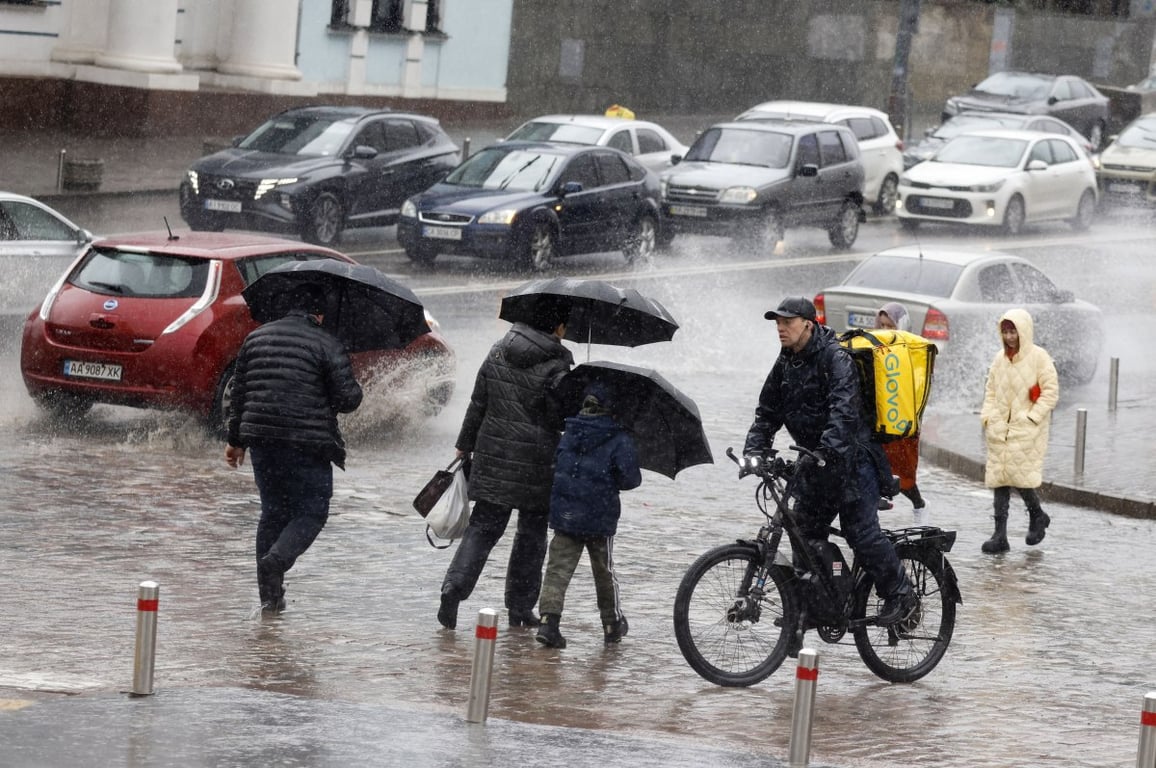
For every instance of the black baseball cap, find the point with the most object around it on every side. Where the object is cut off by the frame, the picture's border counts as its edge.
(793, 306)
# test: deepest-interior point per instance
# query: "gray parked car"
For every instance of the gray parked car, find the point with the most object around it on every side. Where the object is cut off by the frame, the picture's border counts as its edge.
(37, 245)
(752, 179)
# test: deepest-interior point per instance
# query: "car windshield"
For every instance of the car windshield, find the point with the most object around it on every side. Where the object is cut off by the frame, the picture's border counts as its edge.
(1017, 85)
(129, 273)
(898, 274)
(299, 136)
(743, 147)
(524, 170)
(966, 123)
(567, 133)
(982, 150)
(1141, 133)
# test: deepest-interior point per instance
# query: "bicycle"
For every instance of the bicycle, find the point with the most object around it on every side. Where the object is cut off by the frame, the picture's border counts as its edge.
(743, 608)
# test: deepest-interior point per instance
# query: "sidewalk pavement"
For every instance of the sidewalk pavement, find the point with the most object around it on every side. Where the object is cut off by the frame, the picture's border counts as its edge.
(1119, 471)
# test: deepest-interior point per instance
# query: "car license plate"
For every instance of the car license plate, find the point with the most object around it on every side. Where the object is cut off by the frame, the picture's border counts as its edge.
(1124, 188)
(228, 206)
(938, 203)
(697, 211)
(442, 233)
(85, 370)
(860, 320)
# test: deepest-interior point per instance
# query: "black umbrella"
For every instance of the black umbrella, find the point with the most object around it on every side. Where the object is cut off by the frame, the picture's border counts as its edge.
(664, 422)
(366, 309)
(600, 313)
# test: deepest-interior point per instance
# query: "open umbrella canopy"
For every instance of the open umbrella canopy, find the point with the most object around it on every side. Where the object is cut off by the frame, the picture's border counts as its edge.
(365, 309)
(600, 313)
(664, 422)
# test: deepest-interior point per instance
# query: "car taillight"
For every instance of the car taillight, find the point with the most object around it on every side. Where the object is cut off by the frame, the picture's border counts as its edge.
(935, 326)
(899, 145)
(820, 309)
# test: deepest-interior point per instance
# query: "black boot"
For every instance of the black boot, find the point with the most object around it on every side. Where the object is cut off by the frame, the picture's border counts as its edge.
(448, 610)
(998, 541)
(523, 617)
(1037, 527)
(615, 631)
(548, 633)
(271, 583)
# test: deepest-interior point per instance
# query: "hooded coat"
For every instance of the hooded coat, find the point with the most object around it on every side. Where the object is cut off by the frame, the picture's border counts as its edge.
(1016, 428)
(596, 459)
(513, 422)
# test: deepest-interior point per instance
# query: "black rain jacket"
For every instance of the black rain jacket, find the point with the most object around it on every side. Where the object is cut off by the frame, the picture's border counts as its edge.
(291, 380)
(513, 422)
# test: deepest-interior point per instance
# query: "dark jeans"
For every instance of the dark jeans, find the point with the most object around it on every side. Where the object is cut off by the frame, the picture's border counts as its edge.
(295, 489)
(523, 575)
(824, 497)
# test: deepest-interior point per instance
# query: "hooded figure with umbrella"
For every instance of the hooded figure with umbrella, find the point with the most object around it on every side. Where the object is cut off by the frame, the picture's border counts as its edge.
(292, 378)
(510, 431)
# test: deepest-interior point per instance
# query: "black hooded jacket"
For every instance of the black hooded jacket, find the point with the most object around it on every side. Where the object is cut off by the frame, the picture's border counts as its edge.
(513, 422)
(815, 394)
(291, 380)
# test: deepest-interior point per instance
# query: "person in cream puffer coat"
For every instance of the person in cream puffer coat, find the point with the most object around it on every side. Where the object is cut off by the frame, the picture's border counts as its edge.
(1022, 390)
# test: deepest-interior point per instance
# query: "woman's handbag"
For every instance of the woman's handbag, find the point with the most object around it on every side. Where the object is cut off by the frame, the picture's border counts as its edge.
(433, 490)
(450, 516)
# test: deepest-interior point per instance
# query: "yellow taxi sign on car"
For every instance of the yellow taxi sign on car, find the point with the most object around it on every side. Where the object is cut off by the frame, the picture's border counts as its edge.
(617, 110)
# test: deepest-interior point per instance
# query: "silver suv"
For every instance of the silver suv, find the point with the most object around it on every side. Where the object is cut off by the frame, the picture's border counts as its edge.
(750, 180)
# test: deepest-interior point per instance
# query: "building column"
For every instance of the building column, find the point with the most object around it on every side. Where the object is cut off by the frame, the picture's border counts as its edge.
(141, 36)
(199, 34)
(415, 20)
(263, 41)
(84, 34)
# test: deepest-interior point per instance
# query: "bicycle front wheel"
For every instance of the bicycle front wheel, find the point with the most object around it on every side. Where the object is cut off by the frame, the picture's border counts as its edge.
(907, 651)
(731, 632)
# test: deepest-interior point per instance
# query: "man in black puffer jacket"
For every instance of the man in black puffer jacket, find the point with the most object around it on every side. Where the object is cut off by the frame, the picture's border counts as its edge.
(813, 390)
(511, 430)
(292, 378)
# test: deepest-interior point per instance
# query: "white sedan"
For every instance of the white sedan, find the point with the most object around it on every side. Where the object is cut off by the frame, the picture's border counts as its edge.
(37, 245)
(649, 143)
(1002, 178)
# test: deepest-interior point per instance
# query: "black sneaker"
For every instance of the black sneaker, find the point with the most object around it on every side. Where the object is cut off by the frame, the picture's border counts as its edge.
(897, 608)
(273, 606)
(549, 634)
(614, 632)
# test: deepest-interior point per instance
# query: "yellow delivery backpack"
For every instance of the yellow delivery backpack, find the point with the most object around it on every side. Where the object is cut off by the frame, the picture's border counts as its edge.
(895, 370)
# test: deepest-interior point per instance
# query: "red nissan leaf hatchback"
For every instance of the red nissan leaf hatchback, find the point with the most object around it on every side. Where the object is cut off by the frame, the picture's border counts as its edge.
(154, 320)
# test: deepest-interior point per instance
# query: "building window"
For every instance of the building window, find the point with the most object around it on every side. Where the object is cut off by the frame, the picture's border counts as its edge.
(387, 16)
(433, 17)
(339, 14)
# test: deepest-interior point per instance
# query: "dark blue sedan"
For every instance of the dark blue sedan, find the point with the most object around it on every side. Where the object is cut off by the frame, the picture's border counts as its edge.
(532, 202)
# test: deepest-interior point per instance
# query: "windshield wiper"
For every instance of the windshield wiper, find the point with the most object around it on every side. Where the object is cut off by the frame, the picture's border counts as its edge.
(111, 287)
(506, 181)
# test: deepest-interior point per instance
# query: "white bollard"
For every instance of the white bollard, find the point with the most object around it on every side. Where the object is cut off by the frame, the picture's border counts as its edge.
(1113, 382)
(1146, 756)
(1081, 439)
(485, 637)
(144, 658)
(806, 678)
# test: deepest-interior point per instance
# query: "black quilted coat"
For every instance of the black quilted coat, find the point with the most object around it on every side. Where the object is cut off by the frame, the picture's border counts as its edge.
(292, 379)
(513, 422)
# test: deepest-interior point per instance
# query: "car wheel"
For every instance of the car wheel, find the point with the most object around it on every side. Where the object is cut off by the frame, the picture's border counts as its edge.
(843, 232)
(888, 194)
(641, 242)
(62, 407)
(540, 248)
(218, 421)
(323, 221)
(421, 254)
(1096, 135)
(764, 236)
(1085, 211)
(1014, 215)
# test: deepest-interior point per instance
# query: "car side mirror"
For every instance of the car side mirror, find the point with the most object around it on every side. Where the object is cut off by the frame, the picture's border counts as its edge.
(236, 142)
(83, 237)
(675, 159)
(363, 152)
(929, 130)
(809, 169)
(1037, 165)
(1052, 100)
(571, 187)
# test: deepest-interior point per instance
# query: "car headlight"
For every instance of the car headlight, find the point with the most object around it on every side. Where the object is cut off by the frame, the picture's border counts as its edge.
(408, 210)
(266, 185)
(194, 181)
(992, 187)
(905, 181)
(1095, 165)
(662, 185)
(740, 195)
(500, 216)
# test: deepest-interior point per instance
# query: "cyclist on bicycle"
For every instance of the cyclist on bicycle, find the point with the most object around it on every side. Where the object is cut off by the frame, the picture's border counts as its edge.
(813, 390)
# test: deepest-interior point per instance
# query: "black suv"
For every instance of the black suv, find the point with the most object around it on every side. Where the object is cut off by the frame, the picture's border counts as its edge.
(317, 170)
(752, 180)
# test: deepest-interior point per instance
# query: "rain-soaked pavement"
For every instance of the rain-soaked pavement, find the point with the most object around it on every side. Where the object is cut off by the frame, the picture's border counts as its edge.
(1051, 658)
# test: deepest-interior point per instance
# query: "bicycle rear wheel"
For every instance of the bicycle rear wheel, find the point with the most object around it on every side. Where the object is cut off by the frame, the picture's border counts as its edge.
(727, 637)
(907, 651)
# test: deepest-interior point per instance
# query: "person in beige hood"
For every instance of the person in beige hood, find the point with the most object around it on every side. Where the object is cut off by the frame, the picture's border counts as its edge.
(1021, 391)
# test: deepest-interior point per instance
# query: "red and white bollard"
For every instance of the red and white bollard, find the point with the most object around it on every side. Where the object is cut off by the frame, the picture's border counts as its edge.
(806, 678)
(485, 637)
(1146, 756)
(144, 658)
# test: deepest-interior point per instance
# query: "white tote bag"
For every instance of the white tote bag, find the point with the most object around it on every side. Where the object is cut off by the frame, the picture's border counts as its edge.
(451, 515)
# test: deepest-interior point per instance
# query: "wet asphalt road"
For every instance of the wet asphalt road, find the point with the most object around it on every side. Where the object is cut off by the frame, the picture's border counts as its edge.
(1052, 655)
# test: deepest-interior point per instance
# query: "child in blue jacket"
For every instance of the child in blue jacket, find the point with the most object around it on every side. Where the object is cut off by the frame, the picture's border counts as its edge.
(595, 460)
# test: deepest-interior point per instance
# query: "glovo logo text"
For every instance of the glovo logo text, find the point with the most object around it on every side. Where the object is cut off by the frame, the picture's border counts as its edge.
(893, 421)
